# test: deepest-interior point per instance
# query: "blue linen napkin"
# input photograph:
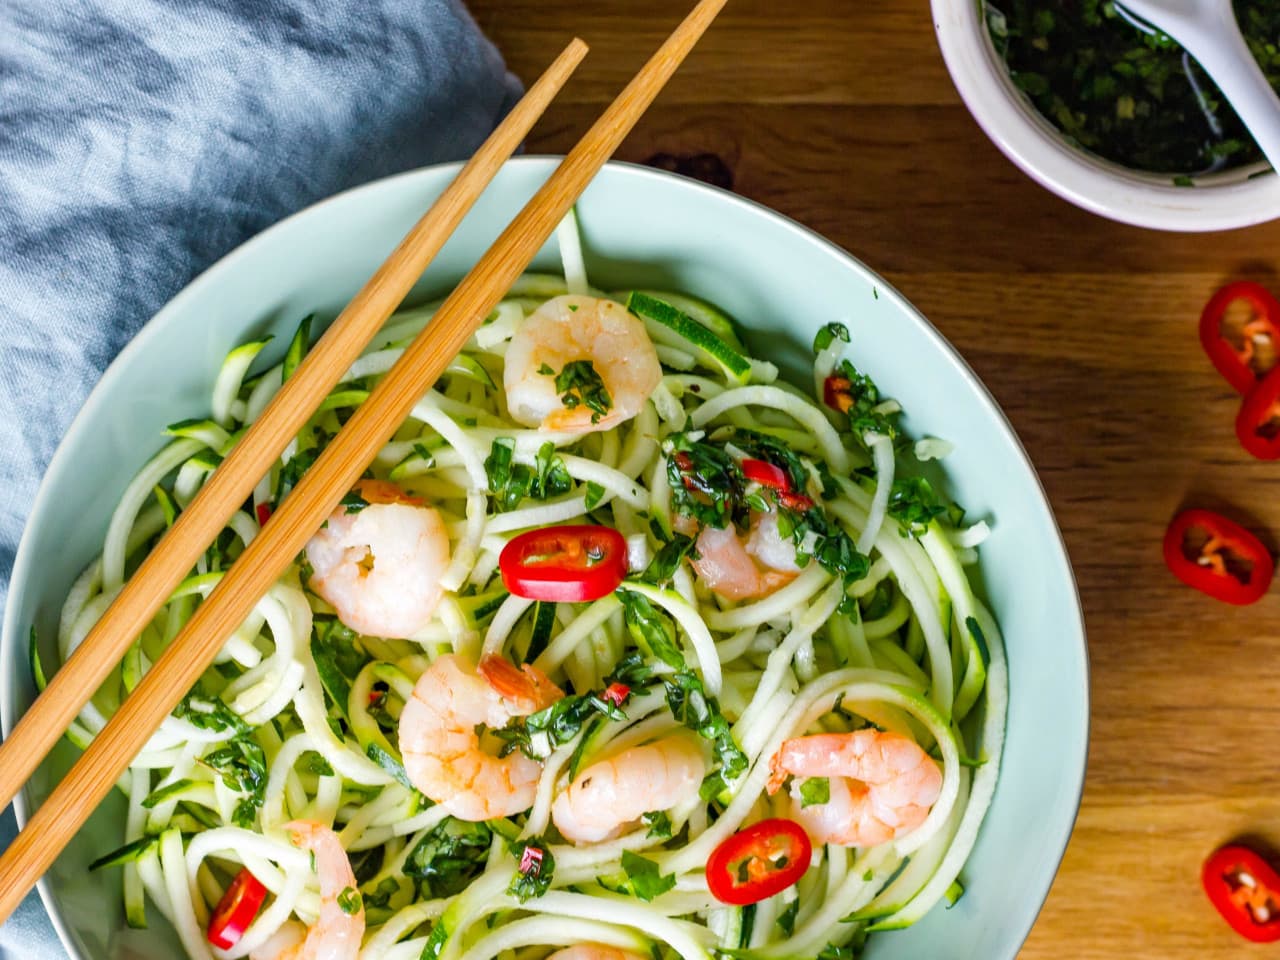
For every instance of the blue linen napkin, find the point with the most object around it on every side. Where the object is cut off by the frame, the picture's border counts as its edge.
(140, 140)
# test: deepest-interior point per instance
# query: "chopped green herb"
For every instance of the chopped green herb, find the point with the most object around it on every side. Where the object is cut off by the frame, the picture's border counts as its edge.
(535, 870)
(349, 901)
(1131, 96)
(201, 709)
(354, 502)
(667, 560)
(651, 628)
(815, 790)
(511, 482)
(595, 493)
(243, 767)
(644, 878)
(915, 504)
(579, 385)
(828, 335)
(659, 824)
(449, 857)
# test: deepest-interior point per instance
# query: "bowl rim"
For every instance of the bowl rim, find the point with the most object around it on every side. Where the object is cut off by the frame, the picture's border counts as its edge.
(23, 567)
(1237, 198)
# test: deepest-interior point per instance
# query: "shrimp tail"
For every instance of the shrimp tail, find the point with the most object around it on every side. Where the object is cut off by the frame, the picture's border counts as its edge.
(777, 774)
(526, 689)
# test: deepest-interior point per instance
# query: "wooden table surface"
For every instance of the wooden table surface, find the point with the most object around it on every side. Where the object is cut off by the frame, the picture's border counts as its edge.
(1085, 332)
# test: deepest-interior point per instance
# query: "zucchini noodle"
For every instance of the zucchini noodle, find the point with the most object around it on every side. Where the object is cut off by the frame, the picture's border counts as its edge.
(788, 573)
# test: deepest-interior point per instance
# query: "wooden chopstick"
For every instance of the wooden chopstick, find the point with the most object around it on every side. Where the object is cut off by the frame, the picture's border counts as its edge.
(330, 477)
(232, 483)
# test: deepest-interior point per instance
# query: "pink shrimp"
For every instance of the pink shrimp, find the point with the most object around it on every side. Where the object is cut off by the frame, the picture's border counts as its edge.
(380, 567)
(442, 751)
(882, 785)
(594, 951)
(741, 571)
(608, 795)
(337, 933)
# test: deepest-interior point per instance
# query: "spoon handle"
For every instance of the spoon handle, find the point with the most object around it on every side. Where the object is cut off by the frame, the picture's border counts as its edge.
(1221, 50)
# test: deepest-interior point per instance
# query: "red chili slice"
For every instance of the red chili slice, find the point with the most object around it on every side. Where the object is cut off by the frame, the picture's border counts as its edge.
(755, 863)
(236, 910)
(616, 693)
(837, 393)
(1228, 562)
(1241, 365)
(1258, 422)
(1246, 891)
(766, 474)
(263, 511)
(571, 564)
(774, 477)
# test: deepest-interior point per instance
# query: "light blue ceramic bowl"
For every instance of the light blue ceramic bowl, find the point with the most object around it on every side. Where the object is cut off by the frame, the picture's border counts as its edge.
(641, 228)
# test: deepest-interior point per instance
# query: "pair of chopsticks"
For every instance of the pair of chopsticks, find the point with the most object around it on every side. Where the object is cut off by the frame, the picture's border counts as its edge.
(321, 488)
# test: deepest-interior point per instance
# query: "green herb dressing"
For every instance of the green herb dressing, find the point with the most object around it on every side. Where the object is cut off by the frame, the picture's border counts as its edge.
(1132, 97)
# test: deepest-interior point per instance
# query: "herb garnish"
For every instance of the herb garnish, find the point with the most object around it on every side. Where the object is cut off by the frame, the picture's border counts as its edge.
(535, 870)
(449, 857)
(644, 879)
(1130, 96)
(579, 385)
(349, 901)
(511, 482)
(815, 790)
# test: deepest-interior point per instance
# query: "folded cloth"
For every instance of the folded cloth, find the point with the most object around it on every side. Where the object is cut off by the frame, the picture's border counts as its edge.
(140, 140)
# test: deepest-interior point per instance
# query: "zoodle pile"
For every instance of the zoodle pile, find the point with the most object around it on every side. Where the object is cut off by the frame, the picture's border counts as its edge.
(623, 648)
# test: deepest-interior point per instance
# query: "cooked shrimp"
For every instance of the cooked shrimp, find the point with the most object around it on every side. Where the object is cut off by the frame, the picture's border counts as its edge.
(594, 951)
(607, 796)
(380, 566)
(442, 751)
(337, 933)
(882, 785)
(739, 571)
(571, 328)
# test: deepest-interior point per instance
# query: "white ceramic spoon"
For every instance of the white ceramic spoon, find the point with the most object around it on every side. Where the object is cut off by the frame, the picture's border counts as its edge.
(1207, 29)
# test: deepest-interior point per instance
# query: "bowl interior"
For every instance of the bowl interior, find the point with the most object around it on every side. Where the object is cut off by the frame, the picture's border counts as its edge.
(640, 227)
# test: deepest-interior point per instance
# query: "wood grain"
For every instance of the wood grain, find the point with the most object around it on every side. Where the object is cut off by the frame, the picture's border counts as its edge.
(842, 116)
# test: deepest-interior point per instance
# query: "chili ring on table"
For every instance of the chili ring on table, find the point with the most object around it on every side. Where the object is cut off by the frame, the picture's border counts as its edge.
(1226, 561)
(1245, 889)
(1259, 333)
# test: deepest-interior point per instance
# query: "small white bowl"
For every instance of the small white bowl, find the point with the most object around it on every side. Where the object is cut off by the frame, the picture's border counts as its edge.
(1219, 201)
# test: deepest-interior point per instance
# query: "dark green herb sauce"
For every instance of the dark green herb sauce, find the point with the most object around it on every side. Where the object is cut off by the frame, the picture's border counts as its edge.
(1133, 97)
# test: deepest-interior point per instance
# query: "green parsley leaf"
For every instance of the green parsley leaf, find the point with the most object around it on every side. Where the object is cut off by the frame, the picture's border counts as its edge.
(644, 878)
(651, 628)
(349, 901)
(828, 335)
(354, 502)
(667, 560)
(659, 824)
(595, 493)
(243, 766)
(815, 790)
(201, 709)
(915, 504)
